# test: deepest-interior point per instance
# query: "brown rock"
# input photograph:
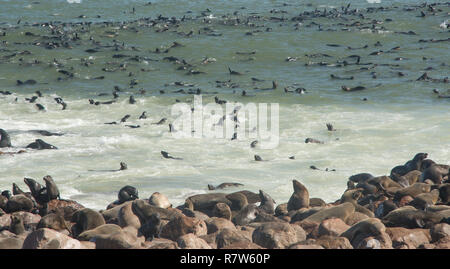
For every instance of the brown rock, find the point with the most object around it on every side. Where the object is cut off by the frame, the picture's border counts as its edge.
(47, 238)
(333, 226)
(190, 241)
(227, 237)
(405, 200)
(409, 238)
(182, 225)
(217, 224)
(243, 245)
(118, 240)
(161, 243)
(310, 227)
(210, 239)
(302, 246)
(278, 235)
(333, 242)
(356, 217)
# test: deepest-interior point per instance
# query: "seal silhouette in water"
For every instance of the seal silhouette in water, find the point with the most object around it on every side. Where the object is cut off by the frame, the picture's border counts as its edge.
(224, 185)
(40, 144)
(5, 140)
(123, 166)
(167, 156)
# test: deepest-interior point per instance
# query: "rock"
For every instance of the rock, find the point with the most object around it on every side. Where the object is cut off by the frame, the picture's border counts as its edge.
(439, 231)
(182, 225)
(217, 224)
(333, 242)
(5, 220)
(302, 246)
(316, 202)
(46, 238)
(278, 235)
(410, 238)
(194, 214)
(113, 213)
(243, 245)
(333, 227)
(210, 239)
(310, 227)
(190, 241)
(227, 237)
(161, 243)
(30, 220)
(69, 207)
(9, 240)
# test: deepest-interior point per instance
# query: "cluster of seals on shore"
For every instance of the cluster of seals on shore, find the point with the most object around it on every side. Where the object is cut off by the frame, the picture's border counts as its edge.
(373, 212)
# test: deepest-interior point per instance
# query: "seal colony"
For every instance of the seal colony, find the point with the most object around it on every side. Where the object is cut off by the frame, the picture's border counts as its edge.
(409, 208)
(374, 212)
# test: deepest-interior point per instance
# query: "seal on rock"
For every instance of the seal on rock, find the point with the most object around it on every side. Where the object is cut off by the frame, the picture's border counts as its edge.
(159, 200)
(267, 203)
(52, 189)
(300, 197)
(414, 164)
(86, 219)
(152, 227)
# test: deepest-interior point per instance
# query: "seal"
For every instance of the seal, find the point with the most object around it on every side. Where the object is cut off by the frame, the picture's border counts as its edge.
(86, 219)
(267, 204)
(126, 217)
(412, 191)
(152, 227)
(167, 156)
(361, 177)
(5, 140)
(17, 227)
(425, 200)
(159, 200)
(410, 217)
(246, 215)
(312, 140)
(52, 189)
(16, 190)
(237, 201)
(414, 164)
(435, 172)
(127, 193)
(224, 185)
(40, 144)
(300, 197)
(38, 192)
(53, 221)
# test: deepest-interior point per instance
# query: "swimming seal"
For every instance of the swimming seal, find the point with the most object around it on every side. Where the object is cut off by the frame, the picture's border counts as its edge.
(224, 185)
(5, 140)
(300, 197)
(40, 144)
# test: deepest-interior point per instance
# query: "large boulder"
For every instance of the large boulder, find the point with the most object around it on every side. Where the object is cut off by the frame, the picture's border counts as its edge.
(46, 238)
(278, 235)
(190, 241)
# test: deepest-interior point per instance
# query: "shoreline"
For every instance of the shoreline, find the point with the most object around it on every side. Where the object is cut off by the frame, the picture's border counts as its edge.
(408, 209)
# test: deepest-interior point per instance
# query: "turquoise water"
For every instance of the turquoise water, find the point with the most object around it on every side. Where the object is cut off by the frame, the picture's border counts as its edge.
(402, 116)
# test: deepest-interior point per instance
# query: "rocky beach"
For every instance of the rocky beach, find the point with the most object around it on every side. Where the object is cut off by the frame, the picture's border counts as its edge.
(409, 209)
(145, 125)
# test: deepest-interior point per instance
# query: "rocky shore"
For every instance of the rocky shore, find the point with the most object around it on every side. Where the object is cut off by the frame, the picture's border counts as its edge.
(408, 209)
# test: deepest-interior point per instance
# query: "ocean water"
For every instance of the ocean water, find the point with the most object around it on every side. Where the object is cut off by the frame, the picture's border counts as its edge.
(401, 117)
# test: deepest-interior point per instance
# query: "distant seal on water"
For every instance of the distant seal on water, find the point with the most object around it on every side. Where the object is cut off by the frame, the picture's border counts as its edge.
(167, 156)
(52, 189)
(159, 200)
(300, 197)
(312, 140)
(5, 140)
(40, 144)
(224, 185)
